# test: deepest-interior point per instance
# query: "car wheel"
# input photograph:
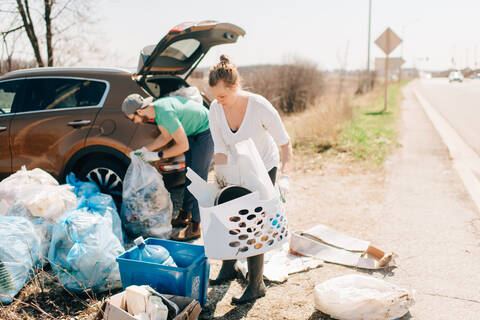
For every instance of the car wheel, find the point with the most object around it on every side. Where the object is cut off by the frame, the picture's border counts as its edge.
(108, 174)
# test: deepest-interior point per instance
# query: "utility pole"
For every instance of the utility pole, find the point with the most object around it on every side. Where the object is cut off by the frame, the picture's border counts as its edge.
(368, 54)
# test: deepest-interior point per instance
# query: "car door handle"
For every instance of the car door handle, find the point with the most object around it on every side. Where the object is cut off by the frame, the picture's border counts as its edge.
(79, 123)
(3, 128)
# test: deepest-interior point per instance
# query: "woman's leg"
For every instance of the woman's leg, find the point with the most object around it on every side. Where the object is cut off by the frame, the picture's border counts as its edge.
(228, 272)
(256, 287)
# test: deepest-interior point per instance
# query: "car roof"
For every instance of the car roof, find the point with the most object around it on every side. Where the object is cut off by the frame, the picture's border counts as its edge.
(65, 71)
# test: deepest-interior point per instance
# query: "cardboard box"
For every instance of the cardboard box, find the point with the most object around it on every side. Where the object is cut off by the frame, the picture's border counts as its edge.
(332, 246)
(113, 308)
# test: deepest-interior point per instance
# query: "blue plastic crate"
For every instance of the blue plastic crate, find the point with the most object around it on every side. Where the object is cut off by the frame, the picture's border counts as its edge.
(189, 279)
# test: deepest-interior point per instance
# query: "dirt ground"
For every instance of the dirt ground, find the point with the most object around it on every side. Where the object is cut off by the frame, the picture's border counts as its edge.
(326, 189)
(329, 190)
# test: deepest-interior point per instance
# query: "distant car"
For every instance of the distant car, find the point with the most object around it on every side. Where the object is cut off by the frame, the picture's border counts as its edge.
(70, 119)
(455, 76)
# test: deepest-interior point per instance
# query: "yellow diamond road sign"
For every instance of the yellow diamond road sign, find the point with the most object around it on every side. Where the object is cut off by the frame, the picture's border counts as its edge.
(388, 41)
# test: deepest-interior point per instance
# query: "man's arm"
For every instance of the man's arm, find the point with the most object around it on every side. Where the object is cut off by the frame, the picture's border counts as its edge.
(181, 143)
(160, 141)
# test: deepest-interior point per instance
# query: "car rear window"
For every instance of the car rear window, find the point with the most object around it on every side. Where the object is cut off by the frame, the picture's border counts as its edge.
(182, 49)
(61, 93)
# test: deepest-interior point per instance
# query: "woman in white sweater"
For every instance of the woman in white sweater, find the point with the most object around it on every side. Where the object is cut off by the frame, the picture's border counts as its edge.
(237, 115)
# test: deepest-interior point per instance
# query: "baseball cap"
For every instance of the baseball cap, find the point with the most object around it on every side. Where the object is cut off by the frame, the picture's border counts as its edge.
(134, 102)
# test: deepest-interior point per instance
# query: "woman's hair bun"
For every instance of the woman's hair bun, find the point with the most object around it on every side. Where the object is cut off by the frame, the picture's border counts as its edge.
(224, 59)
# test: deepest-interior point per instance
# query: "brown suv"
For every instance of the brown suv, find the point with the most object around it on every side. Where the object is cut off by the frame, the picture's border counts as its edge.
(70, 119)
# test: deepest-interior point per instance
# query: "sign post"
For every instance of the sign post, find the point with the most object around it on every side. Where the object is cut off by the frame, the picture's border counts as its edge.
(387, 41)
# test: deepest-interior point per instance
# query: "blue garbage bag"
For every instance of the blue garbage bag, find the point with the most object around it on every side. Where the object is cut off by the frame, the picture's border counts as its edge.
(104, 205)
(82, 188)
(91, 198)
(83, 251)
(20, 249)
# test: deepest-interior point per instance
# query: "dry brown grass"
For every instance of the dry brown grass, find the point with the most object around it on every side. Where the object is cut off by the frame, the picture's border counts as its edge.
(315, 131)
(44, 297)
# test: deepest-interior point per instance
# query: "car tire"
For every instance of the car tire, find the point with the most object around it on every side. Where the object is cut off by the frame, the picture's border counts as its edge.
(107, 173)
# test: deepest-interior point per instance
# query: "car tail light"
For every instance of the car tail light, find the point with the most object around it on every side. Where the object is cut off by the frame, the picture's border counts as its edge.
(170, 167)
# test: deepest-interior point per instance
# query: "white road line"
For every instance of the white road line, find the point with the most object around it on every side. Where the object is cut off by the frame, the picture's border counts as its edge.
(465, 160)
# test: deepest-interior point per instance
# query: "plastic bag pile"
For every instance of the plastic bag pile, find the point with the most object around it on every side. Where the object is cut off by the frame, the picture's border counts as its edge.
(86, 242)
(147, 207)
(75, 225)
(36, 195)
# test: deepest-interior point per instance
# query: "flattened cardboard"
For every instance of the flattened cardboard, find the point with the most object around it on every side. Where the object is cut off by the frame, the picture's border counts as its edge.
(332, 246)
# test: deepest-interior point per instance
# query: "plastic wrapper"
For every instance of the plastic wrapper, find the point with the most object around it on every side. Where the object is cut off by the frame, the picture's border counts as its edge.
(358, 297)
(19, 253)
(83, 251)
(147, 207)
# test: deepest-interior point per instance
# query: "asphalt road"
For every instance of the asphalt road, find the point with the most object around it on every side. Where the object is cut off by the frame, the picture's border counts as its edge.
(458, 103)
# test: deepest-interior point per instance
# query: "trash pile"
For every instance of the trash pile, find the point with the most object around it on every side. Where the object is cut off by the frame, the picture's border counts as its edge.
(85, 244)
(147, 207)
(36, 195)
(74, 225)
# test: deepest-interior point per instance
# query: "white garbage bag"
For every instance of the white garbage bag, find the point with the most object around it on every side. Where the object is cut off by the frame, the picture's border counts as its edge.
(147, 207)
(14, 185)
(19, 254)
(43, 227)
(191, 93)
(48, 201)
(358, 297)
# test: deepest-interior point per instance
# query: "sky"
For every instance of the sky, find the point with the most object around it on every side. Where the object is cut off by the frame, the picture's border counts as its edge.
(333, 33)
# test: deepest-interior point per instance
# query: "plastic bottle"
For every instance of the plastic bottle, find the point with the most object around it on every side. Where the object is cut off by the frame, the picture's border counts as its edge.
(153, 253)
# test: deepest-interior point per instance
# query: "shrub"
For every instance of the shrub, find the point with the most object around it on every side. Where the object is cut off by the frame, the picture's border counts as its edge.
(289, 87)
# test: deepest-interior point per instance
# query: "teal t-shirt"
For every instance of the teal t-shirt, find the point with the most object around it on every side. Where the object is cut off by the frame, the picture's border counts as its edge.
(173, 112)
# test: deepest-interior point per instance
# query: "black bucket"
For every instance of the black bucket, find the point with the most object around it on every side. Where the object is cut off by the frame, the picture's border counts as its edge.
(230, 193)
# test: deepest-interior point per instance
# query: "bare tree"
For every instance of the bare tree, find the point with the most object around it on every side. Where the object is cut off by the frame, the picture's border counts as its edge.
(46, 25)
(24, 11)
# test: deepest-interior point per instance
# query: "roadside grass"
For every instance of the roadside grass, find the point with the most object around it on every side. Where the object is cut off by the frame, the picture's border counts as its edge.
(371, 133)
(351, 126)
